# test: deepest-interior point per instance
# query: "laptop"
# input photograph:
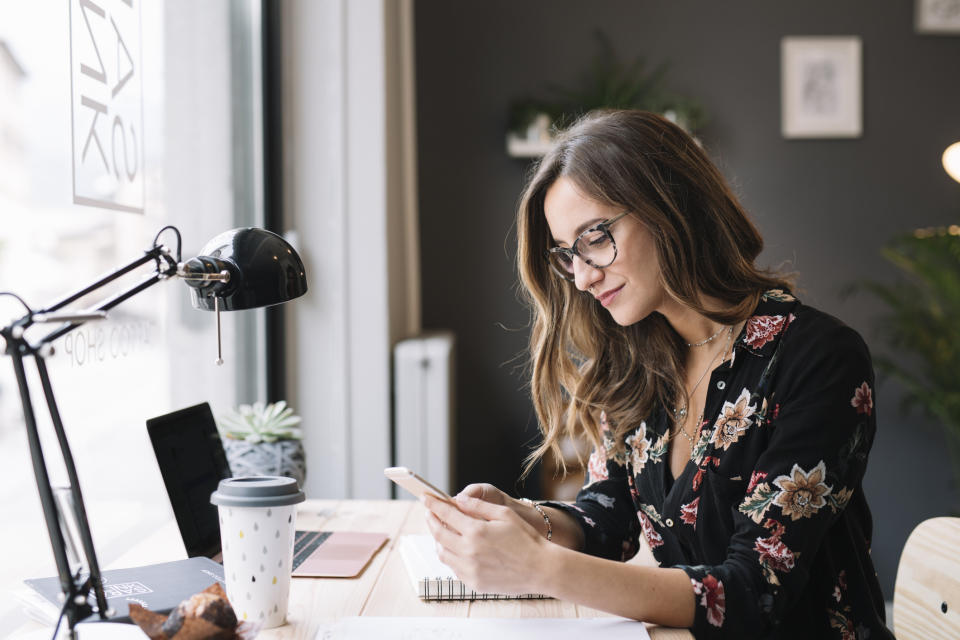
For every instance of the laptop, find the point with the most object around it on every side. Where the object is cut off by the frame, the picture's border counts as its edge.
(192, 462)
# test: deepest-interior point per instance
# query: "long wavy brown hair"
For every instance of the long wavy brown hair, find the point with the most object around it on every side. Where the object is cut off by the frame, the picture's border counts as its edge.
(581, 361)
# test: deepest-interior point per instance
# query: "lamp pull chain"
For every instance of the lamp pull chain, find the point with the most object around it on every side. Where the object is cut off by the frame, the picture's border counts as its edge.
(216, 307)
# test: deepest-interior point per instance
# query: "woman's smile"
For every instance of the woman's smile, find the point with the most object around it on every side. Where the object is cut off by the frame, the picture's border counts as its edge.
(607, 297)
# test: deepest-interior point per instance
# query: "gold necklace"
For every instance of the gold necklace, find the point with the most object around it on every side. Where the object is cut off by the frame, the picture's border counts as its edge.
(680, 414)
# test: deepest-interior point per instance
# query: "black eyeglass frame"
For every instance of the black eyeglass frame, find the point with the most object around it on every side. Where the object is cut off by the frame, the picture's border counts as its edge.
(574, 251)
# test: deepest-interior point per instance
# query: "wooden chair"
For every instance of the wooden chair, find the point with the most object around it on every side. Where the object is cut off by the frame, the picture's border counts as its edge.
(926, 601)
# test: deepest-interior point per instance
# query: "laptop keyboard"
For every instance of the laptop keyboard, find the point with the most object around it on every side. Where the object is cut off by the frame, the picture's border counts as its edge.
(305, 543)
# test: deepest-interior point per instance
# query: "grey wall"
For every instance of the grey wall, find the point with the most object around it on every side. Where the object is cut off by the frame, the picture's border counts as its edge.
(825, 205)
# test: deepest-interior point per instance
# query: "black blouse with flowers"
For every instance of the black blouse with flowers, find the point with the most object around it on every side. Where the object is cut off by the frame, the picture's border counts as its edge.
(768, 518)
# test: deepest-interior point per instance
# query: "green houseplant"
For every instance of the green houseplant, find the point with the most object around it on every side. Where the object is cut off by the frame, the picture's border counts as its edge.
(263, 440)
(609, 83)
(922, 326)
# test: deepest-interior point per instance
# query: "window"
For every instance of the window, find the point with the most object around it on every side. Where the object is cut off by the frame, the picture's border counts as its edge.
(115, 121)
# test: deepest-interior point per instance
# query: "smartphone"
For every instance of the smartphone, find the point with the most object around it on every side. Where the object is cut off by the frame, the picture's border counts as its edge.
(414, 483)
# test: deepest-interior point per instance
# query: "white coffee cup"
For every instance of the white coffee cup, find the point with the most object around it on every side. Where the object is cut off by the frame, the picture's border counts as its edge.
(258, 517)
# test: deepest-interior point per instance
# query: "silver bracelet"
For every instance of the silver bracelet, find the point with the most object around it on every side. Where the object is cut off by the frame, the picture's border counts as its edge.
(546, 518)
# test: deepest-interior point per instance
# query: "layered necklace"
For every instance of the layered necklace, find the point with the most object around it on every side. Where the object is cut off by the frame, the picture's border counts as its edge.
(680, 413)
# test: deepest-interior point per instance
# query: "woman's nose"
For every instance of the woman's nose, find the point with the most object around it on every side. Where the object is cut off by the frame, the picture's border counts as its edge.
(585, 275)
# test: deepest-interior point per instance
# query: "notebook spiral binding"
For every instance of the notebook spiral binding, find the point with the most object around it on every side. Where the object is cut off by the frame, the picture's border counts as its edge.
(433, 590)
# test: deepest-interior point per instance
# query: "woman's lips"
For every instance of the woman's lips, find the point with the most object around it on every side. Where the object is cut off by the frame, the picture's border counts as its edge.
(608, 297)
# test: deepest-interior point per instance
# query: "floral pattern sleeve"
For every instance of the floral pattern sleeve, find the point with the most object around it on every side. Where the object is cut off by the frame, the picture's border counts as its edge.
(787, 489)
(603, 507)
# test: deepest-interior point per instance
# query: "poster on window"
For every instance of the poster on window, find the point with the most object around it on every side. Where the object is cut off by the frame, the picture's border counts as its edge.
(107, 104)
(821, 91)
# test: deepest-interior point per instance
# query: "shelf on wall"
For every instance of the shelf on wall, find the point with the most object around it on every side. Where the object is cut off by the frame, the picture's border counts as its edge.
(518, 147)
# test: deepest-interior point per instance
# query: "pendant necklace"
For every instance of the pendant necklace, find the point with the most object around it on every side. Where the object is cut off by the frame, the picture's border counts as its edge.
(680, 413)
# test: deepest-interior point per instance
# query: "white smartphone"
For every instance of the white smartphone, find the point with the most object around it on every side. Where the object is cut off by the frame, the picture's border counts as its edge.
(414, 483)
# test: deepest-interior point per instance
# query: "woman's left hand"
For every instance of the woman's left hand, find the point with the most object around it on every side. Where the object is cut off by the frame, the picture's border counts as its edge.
(488, 546)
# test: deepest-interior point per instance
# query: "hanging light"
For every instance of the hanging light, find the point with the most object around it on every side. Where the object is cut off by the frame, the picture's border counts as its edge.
(951, 161)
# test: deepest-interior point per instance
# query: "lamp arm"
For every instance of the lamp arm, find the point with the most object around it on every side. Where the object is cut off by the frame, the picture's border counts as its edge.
(76, 605)
(106, 305)
(94, 580)
(157, 254)
(68, 586)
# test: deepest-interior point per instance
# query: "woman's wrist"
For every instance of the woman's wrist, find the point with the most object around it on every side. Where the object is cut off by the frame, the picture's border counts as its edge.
(540, 519)
(550, 567)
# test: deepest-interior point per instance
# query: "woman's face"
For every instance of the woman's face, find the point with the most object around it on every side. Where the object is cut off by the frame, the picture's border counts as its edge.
(630, 287)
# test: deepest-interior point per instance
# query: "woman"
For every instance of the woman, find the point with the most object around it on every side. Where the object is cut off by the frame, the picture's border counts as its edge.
(731, 423)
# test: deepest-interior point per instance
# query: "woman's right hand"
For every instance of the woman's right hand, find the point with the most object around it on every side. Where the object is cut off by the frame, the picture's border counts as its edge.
(566, 530)
(489, 493)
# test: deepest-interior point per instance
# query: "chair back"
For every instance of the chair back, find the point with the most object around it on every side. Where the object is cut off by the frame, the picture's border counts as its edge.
(926, 600)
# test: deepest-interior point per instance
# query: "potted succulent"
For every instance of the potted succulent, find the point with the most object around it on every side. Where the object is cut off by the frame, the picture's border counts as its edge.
(263, 440)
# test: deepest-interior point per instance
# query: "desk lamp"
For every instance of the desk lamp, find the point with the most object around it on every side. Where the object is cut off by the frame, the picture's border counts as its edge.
(238, 269)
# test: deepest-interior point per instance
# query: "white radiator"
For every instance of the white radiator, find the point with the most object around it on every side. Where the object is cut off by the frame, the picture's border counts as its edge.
(424, 408)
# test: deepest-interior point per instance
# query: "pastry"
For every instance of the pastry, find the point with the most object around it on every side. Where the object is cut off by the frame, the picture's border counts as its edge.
(212, 607)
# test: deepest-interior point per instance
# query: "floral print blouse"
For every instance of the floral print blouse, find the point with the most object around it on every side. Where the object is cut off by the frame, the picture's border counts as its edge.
(768, 518)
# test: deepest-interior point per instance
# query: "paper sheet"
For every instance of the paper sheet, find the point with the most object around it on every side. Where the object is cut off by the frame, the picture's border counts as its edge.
(89, 631)
(110, 631)
(398, 628)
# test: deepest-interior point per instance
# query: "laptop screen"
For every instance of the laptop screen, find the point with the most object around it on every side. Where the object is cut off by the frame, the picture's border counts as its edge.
(192, 463)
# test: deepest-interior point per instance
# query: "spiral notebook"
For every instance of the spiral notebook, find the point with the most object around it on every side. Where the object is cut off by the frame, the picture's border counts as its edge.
(433, 580)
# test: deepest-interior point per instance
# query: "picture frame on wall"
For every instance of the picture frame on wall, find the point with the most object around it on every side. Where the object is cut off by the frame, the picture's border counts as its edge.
(940, 17)
(821, 87)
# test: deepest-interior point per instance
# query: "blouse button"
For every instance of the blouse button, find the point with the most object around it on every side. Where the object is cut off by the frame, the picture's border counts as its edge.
(669, 522)
(721, 385)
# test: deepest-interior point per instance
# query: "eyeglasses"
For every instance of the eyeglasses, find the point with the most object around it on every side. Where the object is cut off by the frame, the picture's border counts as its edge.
(595, 246)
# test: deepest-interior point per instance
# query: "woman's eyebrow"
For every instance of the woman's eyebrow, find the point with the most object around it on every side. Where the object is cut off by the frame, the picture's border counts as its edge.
(583, 227)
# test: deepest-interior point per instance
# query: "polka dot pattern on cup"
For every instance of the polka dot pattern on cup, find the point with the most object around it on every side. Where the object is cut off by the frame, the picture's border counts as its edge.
(256, 561)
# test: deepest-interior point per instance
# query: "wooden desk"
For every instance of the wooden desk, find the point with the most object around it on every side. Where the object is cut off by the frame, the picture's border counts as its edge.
(383, 589)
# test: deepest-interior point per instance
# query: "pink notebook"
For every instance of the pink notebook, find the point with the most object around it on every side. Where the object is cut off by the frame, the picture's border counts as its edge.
(334, 554)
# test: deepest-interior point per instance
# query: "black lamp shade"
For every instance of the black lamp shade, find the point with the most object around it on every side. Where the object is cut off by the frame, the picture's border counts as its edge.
(264, 270)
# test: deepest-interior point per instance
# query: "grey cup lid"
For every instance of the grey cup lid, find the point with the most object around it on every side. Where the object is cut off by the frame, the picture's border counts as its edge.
(257, 491)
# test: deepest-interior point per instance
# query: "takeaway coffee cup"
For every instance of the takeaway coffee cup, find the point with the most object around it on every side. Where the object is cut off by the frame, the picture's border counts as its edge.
(257, 524)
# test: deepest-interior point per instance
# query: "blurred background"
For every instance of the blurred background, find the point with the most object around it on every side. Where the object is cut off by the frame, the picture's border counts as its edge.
(374, 135)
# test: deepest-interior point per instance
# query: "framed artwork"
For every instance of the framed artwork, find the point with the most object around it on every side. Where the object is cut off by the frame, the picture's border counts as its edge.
(821, 87)
(938, 16)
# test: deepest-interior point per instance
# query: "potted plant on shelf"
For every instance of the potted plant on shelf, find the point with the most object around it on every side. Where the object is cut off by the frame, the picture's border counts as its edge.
(609, 83)
(263, 440)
